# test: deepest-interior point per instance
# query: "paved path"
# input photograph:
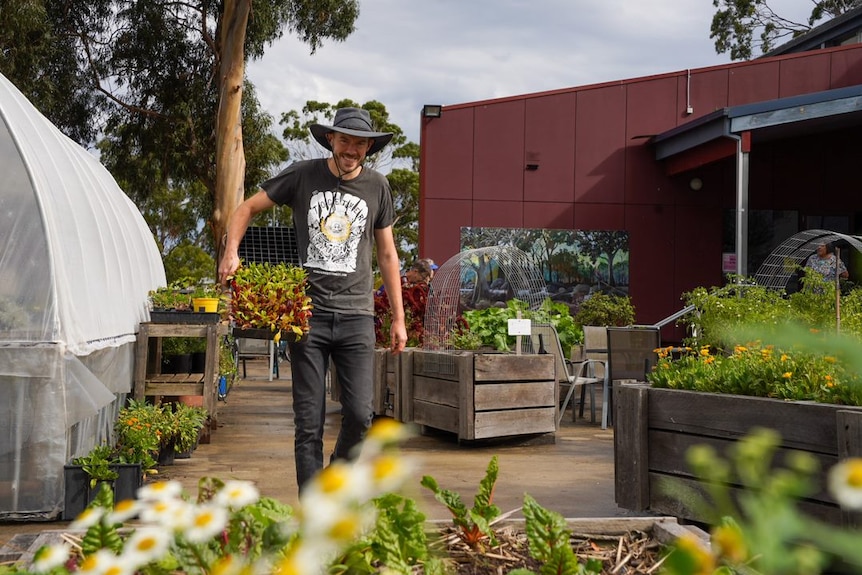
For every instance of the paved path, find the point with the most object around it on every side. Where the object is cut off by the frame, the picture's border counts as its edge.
(571, 472)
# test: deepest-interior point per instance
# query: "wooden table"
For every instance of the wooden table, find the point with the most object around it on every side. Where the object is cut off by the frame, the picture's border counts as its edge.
(149, 381)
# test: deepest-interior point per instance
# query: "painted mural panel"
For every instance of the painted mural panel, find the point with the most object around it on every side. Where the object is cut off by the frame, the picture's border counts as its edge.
(573, 263)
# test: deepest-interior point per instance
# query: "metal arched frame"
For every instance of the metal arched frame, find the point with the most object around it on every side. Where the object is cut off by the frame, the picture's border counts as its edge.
(458, 279)
(780, 265)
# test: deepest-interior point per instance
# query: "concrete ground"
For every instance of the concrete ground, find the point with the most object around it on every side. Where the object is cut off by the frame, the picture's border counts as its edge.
(570, 472)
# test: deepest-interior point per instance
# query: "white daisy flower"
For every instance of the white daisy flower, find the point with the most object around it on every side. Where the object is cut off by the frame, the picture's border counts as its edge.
(229, 565)
(145, 545)
(123, 511)
(173, 514)
(845, 483)
(103, 562)
(50, 556)
(303, 559)
(385, 432)
(236, 494)
(87, 518)
(338, 481)
(331, 523)
(160, 490)
(389, 471)
(207, 521)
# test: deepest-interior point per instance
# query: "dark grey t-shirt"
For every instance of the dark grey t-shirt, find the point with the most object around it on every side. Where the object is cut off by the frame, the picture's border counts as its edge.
(335, 222)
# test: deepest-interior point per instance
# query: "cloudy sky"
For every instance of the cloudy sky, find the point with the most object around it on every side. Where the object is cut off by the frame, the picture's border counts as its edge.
(406, 53)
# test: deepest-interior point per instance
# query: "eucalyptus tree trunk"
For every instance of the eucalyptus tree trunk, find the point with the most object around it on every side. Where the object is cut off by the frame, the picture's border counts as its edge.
(230, 158)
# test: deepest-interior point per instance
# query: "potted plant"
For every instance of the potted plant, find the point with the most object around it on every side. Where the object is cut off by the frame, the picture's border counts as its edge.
(271, 298)
(206, 298)
(83, 477)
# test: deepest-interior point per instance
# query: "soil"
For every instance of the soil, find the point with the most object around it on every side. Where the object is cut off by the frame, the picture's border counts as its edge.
(633, 553)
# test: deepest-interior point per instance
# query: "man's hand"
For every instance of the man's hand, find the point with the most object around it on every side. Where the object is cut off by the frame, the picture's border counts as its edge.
(229, 264)
(398, 336)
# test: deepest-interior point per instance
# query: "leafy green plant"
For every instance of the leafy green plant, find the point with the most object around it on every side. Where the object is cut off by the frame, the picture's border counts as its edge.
(184, 425)
(474, 523)
(549, 541)
(174, 296)
(606, 310)
(97, 464)
(760, 528)
(462, 337)
(273, 297)
(139, 429)
(491, 325)
(762, 371)
(559, 315)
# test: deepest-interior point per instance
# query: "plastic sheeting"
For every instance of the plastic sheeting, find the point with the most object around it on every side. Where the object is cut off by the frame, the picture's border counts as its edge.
(77, 263)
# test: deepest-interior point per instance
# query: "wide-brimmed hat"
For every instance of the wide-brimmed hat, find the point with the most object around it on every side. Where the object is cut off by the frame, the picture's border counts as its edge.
(353, 122)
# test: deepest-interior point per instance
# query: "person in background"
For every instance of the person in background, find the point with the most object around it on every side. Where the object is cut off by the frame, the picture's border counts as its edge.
(826, 263)
(433, 267)
(341, 210)
(419, 273)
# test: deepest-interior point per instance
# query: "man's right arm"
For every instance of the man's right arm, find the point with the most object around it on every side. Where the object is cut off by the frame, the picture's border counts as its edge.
(236, 230)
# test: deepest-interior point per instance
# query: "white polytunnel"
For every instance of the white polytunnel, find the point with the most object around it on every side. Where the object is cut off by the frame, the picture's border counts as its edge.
(77, 261)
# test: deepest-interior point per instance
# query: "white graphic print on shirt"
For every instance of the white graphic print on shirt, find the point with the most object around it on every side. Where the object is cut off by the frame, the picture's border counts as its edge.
(336, 222)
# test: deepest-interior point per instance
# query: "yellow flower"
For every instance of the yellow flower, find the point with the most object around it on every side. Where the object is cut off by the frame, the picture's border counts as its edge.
(704, 351)
(787, 374)
(829, 359)
(784, 357)
(730, 543)
(829, 381)
(709, 360)
(702, 559)
(740, 349)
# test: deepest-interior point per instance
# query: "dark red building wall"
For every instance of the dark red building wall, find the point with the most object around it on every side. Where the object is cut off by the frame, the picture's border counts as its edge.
(579, 158)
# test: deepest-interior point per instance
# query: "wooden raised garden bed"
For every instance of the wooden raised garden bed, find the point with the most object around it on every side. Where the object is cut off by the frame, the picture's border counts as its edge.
(654, 429)
(481, 395)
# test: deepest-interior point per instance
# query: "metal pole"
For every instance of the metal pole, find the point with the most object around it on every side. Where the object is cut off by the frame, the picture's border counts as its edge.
(837, 290)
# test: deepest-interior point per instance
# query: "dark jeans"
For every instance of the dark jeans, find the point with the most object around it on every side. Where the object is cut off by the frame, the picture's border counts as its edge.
(348, 341)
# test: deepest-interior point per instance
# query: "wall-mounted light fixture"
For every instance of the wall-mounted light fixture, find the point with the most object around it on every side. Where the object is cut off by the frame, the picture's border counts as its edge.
(432, 111)
(695, 184)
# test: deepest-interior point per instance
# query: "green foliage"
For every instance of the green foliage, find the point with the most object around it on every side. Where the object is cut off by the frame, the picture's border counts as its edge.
(761, 371)
(549, 541)
(158, 112)
(184, 425)
(759, 528)
(97, 464)
(462, 337)
(559, 315)
(474, 523)
(736, 22)
(268, 296)
(721, 310)
(398, 541)
(102, 535)
(492, 324)
(606, 310)
(188, 260)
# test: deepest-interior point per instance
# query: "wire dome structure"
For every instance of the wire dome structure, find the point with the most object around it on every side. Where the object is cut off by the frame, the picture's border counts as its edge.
(779, 266)
(475, 279)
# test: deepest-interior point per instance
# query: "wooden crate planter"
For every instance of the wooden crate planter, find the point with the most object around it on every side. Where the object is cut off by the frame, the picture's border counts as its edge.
(481, 395)
(390, 372)
(655, 427)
